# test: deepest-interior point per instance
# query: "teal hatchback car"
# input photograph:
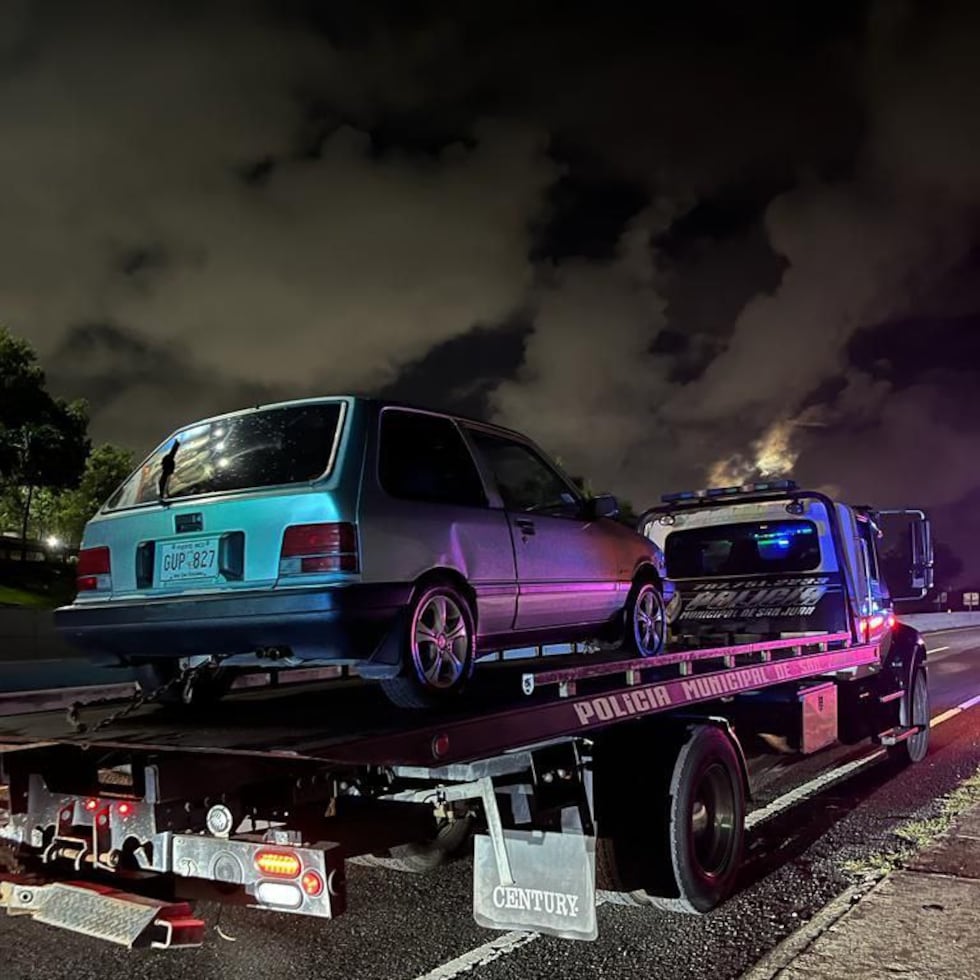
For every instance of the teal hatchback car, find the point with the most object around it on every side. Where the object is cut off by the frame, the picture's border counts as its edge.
(353, 531)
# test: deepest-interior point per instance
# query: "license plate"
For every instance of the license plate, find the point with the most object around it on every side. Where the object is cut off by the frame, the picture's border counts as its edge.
(183, 561)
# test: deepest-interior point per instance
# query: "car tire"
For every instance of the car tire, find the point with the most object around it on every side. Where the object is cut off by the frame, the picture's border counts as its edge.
(437, 649)
(645, 620)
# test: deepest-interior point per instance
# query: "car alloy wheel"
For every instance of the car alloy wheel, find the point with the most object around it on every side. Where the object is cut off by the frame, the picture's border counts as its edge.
(649, 620)
(440, 642)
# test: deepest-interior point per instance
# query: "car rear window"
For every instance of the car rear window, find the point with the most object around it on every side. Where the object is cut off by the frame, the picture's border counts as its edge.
(293, 444)
(743, 549)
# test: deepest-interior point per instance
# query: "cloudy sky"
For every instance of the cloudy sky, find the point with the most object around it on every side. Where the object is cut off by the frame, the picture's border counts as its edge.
(700, 242)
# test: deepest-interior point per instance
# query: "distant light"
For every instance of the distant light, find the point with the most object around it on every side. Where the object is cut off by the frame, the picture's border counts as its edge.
(53, 542)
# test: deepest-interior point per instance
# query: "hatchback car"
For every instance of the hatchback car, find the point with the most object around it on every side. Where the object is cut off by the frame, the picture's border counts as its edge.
(347, 530)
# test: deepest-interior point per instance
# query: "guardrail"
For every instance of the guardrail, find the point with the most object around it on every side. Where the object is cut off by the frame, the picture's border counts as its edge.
(933, 622)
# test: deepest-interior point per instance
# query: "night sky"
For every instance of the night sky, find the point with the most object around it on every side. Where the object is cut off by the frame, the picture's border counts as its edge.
(693, 243)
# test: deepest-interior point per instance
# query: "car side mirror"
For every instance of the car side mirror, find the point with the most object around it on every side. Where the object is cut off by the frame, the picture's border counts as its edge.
(603, 505)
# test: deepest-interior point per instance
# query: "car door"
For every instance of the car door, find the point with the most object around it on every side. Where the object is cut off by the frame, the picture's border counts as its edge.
(568, 568)
(429, 510)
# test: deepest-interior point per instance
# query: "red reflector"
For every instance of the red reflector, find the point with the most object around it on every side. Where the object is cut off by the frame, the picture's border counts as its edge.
(278, 864)
(312, 884)
(324, 563)
(440, 745)
(91, 805)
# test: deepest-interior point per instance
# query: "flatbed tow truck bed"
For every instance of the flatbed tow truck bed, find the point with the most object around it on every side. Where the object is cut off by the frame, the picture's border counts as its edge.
(595, 774)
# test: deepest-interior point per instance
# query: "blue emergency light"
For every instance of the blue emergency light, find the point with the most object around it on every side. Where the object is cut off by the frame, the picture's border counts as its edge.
(712, 493)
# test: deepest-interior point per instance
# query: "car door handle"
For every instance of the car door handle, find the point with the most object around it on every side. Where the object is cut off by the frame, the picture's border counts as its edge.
(526, 526)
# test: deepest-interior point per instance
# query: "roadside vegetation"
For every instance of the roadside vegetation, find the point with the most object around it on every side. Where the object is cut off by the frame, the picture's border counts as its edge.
(916, 835)
(52, 480)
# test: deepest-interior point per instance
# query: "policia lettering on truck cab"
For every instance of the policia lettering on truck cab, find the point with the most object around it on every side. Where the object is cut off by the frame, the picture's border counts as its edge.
(775, 598)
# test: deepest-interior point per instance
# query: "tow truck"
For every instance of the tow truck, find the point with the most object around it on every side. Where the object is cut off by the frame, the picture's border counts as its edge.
(579, 779)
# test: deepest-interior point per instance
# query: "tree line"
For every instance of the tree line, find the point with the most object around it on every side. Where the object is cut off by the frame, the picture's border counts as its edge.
(52, 479)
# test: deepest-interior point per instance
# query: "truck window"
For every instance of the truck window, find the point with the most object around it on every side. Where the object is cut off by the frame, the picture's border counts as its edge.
(755, 548)
(869, 537)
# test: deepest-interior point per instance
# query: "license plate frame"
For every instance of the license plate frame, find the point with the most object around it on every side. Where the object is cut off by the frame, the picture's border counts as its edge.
(194, 560)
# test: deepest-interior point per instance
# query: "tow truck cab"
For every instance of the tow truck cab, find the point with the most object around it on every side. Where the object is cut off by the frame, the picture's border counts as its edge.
(771, 561)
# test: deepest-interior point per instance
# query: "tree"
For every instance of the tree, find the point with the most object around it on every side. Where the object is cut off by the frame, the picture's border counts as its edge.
(106, 467)
(43, 442)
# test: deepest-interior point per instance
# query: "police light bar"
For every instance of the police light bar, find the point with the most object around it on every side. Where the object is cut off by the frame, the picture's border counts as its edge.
(712, 493)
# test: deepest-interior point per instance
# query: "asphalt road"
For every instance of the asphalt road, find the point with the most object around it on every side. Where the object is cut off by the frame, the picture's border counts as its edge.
(403, 927)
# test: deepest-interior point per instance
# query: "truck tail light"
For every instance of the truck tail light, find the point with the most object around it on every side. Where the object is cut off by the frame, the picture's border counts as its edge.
(310, 548)
(871, 628)
(94, 570)
(278, 864)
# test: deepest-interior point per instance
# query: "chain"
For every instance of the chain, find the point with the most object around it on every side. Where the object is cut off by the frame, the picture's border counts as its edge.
(177, 682)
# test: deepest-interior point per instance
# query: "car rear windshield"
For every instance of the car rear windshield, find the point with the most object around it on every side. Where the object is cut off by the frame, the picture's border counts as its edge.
(743, 549)
(293, 444)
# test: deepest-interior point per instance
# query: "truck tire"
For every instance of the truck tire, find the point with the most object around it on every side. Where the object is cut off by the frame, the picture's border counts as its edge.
(683, 855)
(437, 649)
(707, 819)
(424, 856)
(913, 710)
(645, 624)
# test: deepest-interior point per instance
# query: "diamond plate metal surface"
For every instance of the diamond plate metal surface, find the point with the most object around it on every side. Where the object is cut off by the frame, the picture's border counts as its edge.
(100, 916)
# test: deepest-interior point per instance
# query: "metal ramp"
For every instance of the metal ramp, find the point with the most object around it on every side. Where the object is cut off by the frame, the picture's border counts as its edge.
(105, 913)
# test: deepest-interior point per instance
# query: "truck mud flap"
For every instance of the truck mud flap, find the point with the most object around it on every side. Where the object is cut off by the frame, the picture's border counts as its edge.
(105, 913)
(555, 889)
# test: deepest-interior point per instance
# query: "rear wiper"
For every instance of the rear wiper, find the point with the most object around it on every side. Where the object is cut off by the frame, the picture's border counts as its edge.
(167, 469)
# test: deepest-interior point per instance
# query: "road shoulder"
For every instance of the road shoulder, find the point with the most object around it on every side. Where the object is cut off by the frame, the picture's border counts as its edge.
(917, 921)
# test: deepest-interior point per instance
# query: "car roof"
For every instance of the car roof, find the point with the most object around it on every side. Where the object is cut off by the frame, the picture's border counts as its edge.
(377, 403)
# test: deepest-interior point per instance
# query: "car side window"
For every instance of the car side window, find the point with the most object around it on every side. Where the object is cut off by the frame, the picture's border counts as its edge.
(525, 481)
(423, 457)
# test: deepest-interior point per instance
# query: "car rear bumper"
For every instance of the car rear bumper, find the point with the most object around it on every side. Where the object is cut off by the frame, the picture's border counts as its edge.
(329, 622)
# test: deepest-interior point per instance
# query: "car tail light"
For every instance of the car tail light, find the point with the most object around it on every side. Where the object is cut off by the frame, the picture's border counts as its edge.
(278, 864)
(94, 570)
(309, 548)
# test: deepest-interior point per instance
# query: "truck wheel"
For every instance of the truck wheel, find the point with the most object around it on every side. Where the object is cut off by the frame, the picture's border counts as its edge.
(676, 844)
(646, 620)
(437, 653)
(707, 819)
(419, 858)
(914, 710)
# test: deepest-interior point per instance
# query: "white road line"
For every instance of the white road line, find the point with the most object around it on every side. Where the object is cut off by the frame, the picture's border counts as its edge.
(794, 796)
(937, 649)
(481, 956)
(511, 941)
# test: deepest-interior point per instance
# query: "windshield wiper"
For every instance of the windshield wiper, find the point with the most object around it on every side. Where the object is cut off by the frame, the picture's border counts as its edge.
(167, 469)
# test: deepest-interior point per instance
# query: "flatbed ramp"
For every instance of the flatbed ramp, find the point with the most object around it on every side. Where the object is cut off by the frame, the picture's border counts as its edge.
(298, 724)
